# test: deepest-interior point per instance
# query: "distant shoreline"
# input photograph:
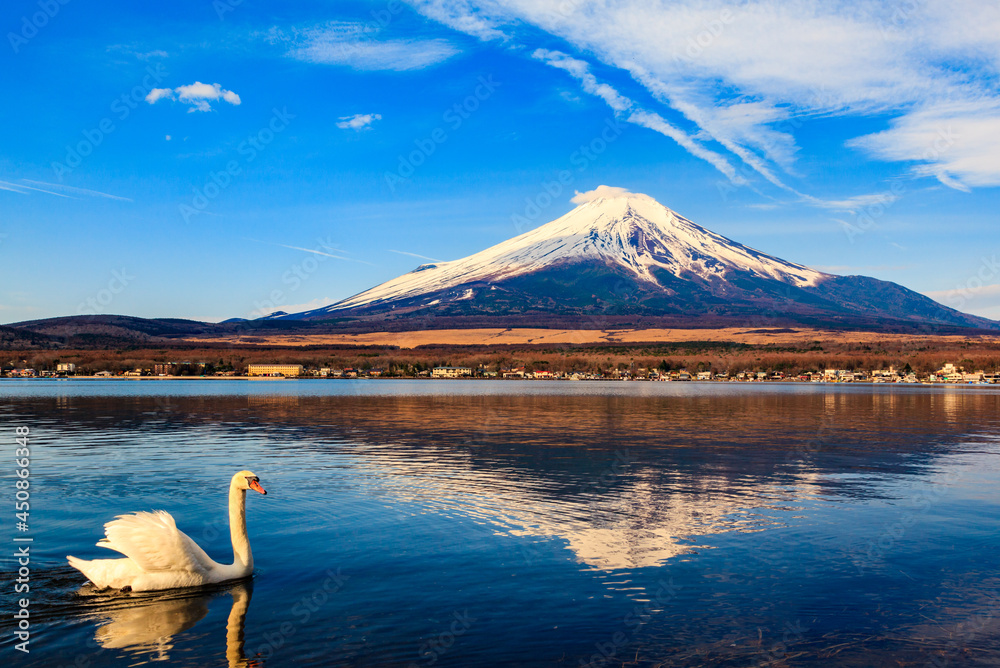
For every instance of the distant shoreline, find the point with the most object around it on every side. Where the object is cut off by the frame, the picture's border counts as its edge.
(786, 381)
(767, 355)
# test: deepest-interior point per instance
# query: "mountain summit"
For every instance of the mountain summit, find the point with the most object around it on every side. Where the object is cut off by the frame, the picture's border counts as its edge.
(622, 256)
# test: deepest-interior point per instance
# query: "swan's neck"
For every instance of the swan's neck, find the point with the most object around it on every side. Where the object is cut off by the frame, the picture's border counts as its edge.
(238, 528)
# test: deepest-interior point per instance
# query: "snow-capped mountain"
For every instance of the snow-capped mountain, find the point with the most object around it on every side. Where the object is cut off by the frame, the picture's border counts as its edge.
(634, 232)
(625, 254)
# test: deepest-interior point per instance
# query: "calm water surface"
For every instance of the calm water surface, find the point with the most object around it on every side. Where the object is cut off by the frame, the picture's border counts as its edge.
(458, 523)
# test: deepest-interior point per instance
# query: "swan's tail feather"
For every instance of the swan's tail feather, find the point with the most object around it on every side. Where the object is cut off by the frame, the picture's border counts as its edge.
(104, 573)
(84, 567)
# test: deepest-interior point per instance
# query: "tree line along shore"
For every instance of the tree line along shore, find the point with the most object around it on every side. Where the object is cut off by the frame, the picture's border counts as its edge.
(722, 360)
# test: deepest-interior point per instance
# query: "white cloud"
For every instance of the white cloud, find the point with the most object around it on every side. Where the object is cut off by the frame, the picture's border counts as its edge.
(608, 192)
(358, 46)
(197, 95)
(581, 70)
(748, 75)
(159, 94)
(358, 121)
(463, 15)
(959, 144)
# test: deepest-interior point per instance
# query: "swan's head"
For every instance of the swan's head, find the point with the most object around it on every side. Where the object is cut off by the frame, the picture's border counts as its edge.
(247, 480)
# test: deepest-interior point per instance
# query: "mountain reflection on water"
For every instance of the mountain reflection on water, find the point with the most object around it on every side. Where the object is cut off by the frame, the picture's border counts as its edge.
(551, 512)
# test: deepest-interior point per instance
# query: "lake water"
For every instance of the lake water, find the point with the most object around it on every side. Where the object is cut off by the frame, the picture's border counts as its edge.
(462, 523)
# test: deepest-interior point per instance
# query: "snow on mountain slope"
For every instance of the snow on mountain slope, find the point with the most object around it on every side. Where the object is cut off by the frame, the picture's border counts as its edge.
(630, 230)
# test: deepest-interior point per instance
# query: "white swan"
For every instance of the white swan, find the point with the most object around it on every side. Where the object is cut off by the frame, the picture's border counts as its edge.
(161, 556)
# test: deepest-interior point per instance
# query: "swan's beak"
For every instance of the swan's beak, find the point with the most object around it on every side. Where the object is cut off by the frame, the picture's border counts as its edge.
(255, 486)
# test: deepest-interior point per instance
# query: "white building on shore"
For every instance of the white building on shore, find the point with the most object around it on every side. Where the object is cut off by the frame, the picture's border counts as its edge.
(274, 370)
(451, 371)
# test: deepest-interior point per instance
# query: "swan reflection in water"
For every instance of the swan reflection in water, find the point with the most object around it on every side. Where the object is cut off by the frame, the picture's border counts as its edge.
(146, 624)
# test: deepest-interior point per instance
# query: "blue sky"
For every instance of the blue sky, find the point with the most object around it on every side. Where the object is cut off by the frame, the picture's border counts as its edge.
(217, 159)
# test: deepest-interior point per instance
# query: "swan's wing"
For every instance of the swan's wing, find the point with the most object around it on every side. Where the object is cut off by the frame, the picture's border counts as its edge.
(154, 543)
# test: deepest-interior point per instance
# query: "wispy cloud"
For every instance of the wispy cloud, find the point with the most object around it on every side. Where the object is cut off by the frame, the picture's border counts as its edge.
(853, 204)
(358, 121)
(416, 255)
(992, 290)
(315, 251)
(581, 71)
(850, 269)
(22, 189)
(363, 48)
(981, 300)
(628, 110)
(156, 53)
(197, 96)
(57, 189)
(78, 191)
